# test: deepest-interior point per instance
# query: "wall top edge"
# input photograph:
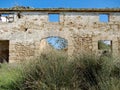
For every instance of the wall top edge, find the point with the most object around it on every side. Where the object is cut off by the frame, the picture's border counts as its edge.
(59, 9)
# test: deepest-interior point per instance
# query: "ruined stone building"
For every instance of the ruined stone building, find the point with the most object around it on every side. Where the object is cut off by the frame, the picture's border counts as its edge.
(21, 31)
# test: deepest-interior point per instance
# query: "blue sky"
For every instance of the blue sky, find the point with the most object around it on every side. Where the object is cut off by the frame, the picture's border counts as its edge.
(62, 3)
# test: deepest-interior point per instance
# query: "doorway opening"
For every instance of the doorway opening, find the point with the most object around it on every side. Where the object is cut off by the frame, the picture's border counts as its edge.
(4, 51)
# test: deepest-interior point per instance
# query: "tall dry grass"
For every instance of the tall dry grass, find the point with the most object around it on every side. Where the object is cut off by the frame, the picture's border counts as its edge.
(56, 72)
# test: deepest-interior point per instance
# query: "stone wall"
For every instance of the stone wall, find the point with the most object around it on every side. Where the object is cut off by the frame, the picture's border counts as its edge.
(83, 30)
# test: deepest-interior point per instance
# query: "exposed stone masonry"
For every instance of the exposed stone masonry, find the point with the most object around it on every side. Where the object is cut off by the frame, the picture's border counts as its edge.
(81, 27)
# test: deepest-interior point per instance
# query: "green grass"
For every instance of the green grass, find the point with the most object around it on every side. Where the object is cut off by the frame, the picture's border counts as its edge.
(9, 75)
(56, 72)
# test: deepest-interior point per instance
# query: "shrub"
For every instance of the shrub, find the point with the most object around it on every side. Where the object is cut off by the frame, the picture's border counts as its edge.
(55, 72)
(9, 76)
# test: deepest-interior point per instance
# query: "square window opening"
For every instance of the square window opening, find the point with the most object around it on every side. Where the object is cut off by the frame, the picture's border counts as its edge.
(54, 17)
(104, 18)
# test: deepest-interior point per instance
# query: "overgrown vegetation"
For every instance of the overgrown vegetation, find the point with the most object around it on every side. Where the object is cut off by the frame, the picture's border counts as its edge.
(56, 72)
(21, 7)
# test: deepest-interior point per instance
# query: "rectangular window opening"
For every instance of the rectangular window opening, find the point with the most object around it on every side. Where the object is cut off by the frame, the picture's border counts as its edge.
(105, 46)
(104, 18)
(7, 17)
(54, 17)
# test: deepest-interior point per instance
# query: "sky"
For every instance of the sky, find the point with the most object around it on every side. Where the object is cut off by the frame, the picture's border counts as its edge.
(61, 3)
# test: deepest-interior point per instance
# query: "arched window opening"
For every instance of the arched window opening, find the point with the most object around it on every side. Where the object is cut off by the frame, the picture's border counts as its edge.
(58, 42)
(53, 44)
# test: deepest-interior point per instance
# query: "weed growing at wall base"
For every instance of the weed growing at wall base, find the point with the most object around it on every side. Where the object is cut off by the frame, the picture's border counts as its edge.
(55, 72)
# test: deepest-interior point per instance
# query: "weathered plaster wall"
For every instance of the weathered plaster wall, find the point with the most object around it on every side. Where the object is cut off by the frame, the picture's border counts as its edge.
(82, 30)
